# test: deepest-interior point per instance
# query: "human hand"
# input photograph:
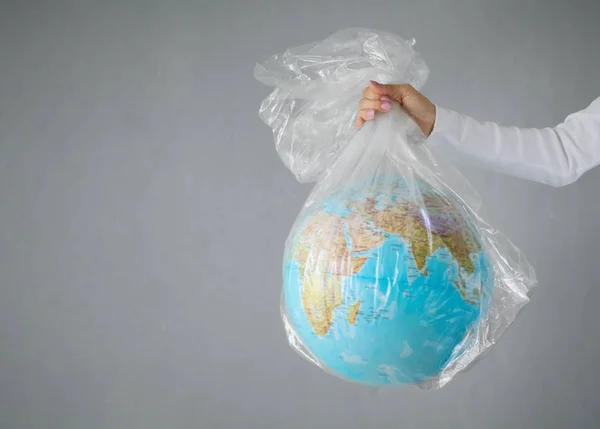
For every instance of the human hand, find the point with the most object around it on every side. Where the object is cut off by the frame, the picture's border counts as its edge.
(379, 97)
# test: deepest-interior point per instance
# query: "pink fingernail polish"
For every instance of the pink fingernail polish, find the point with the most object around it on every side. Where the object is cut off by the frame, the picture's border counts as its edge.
(371, 113)
(385, 98)
(386, 106)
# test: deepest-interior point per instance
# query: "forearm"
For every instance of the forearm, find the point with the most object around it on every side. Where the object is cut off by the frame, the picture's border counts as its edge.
(553, 156)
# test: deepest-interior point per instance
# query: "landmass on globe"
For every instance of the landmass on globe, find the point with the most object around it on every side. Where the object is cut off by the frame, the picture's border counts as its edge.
(353, 312)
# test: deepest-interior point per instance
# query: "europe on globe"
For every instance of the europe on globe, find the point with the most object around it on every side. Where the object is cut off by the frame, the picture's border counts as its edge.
(383, 281)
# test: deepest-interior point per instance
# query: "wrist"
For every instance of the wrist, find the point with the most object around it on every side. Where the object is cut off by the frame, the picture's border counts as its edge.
(427, 122)
(430, 122)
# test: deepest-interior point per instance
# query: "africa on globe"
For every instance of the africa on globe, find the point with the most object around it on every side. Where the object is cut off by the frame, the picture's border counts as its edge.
(384, 281)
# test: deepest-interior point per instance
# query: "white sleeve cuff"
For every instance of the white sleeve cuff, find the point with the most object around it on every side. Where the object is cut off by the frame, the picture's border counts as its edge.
(447, 123)
(447, 129)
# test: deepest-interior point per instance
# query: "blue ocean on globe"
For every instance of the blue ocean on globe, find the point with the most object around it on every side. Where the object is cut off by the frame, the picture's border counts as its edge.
(389, 321)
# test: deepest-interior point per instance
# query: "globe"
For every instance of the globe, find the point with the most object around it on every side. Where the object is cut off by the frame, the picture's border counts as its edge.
(385, 282)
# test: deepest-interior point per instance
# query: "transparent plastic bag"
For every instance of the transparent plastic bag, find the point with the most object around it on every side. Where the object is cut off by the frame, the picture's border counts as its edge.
(390, 277)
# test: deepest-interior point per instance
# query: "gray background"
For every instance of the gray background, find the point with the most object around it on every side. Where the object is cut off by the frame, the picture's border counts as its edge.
(143, 211)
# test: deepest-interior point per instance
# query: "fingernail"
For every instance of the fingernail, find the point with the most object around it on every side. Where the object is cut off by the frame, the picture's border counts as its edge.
(385, 98)
(386, 106)
(371, 113)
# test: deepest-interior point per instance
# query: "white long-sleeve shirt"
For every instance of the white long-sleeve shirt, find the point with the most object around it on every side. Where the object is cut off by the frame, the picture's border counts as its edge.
(554, 156)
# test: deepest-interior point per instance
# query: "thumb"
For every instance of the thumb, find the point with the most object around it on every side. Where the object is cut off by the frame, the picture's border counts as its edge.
(394, 91)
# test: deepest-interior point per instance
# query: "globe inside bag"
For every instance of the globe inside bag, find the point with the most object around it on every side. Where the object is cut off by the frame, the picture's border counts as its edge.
(389, 276)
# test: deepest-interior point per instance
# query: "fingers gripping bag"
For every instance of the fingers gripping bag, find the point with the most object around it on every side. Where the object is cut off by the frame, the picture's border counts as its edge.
(389, 275)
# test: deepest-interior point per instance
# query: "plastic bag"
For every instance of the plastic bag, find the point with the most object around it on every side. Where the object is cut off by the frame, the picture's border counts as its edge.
(389, 275)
